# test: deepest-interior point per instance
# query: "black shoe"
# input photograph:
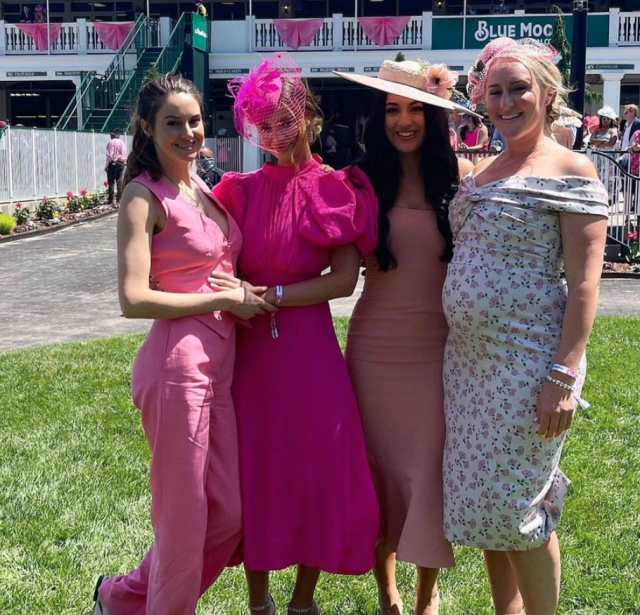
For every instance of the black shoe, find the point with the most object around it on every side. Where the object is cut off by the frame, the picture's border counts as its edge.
(98, 607)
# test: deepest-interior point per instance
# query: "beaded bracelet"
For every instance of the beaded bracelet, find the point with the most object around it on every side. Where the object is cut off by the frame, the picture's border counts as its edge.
(278, 296)
(561, 384)
(567, 371)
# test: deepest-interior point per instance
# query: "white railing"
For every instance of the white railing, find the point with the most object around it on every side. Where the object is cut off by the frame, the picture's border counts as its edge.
(353, 35)
(38, 162)
(628, 28)
(266, 37)
(337, 32)
(79, 37)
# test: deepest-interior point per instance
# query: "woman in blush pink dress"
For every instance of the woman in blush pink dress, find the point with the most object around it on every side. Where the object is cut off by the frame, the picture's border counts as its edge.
(308, 497)
(398, 331)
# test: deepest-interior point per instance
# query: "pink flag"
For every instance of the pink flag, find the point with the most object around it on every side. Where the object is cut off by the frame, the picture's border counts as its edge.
(38, 32)
(113, 34)
(383, 30)
(298, 32)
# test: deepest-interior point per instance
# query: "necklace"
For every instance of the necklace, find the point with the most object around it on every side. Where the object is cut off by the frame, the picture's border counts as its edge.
(192, 195)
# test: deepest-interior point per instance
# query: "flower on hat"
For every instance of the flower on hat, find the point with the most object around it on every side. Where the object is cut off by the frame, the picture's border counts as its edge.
(440, 80)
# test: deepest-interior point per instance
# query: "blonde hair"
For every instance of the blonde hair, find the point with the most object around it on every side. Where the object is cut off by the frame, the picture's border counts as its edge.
(311, 126)
(633, 108)
(549, 78)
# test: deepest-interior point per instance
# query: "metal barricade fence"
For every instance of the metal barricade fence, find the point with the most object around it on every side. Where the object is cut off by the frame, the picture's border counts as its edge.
(37, 162)
(613, 168)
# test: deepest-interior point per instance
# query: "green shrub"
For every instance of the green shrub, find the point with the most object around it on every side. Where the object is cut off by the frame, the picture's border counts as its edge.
(7, 224)
(47, 209)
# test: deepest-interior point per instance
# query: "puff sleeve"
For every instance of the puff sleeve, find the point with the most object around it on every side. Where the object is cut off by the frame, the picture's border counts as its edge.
(342, 209)
(230, 191)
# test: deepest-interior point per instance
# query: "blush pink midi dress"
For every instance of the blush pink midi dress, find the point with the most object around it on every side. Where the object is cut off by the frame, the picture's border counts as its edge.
(181, 384)
(307, 492)
(395, 351)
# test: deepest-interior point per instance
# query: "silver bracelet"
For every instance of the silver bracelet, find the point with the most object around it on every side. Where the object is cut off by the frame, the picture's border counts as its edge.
(562, 385)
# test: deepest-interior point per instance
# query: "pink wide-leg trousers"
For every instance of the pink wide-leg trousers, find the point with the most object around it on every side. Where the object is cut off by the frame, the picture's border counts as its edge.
(181, 383)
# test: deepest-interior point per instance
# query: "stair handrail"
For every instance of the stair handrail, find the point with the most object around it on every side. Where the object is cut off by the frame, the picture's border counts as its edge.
(72, 107)
(116, 74)
(130, 39)
(176, 39)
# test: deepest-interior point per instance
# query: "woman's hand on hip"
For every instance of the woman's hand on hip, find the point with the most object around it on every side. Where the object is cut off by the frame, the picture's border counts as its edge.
(554, 411)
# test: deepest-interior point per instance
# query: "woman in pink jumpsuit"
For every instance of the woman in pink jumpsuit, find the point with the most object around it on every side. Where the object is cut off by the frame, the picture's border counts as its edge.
(307, 492)
(170, 228)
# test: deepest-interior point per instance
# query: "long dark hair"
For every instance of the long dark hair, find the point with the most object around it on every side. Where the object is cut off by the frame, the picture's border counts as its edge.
(464, 129)
(143, 156)
(439, 170)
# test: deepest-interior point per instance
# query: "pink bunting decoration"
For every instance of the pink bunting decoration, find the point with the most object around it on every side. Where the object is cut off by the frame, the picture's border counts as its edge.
(38, 32)
(113, 34)
(298, 32)
(383, 30)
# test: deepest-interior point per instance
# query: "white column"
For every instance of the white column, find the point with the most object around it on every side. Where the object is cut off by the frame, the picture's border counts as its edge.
(83, 38)
(337, 32)
(165, 30)
(250, 32)
(3, 39)
(611, 89)
(614, 27)
(427, 30)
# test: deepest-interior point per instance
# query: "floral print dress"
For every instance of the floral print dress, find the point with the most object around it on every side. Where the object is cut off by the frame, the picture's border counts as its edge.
(504, 301)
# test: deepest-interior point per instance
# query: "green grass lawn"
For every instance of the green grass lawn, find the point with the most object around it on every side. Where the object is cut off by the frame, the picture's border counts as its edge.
(74, 499)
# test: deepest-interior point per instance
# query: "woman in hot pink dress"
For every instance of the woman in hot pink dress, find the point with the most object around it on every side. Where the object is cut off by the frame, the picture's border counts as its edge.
(308, 497)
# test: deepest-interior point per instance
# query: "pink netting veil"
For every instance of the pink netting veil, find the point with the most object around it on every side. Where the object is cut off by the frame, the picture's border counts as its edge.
(270, 102)
(518, 50)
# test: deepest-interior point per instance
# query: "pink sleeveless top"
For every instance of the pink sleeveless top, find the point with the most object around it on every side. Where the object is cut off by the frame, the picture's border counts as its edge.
(190, 247)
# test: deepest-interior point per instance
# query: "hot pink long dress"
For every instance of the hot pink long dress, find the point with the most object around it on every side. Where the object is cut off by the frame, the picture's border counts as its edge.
(308, 496)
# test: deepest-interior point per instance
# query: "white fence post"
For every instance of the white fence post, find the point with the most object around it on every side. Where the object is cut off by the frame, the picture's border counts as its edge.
(614, 27)
(337, 32)
(83, 38)
(33, 156)
(93, 159)
(10, 167)
(3, 39)
(427, 30)
(55, 160)
(75, 159)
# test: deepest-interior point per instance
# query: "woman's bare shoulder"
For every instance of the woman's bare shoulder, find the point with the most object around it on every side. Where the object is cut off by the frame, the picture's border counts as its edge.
(465, 166)
(568, 162)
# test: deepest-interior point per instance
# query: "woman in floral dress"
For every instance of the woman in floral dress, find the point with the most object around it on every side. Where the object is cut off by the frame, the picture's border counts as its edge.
(514, 361)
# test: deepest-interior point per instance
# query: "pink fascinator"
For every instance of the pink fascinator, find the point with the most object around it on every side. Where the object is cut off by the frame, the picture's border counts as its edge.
(503, 47)
(270, 103)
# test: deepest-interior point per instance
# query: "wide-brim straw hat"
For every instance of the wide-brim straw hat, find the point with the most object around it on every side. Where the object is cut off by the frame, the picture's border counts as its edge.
(404, 79)
(608, 111)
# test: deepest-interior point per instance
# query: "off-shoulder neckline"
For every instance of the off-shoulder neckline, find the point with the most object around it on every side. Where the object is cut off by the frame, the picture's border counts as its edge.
(553, 178)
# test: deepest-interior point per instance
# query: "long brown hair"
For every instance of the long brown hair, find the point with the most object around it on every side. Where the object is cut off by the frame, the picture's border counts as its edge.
(152, 94)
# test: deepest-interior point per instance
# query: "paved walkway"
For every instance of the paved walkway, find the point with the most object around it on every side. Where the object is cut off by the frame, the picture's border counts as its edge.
(62, 287)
